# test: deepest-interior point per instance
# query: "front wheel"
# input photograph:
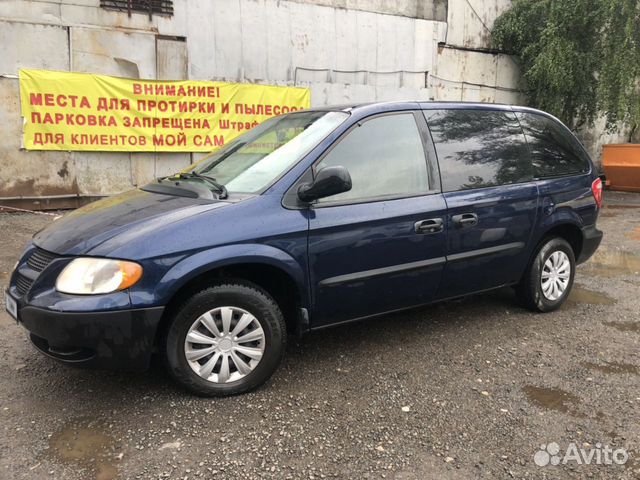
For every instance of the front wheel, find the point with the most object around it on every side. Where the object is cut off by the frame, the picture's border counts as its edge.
(548, 280)
(225, 340)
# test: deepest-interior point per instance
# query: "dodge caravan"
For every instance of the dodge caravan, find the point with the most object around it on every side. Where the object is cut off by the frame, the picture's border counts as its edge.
(311, 219)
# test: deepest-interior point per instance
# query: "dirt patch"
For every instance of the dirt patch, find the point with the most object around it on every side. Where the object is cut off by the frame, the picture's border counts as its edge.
(613, 367)
(625, 326)
(618, 206)
(608, 214)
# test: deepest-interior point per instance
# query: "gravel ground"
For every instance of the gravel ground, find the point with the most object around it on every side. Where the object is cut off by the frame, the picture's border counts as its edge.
(465, 389)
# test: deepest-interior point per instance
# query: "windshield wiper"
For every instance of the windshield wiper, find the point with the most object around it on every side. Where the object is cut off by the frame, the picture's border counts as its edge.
(220, 188)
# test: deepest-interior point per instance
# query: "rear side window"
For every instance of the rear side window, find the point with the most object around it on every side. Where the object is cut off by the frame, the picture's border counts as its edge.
(385, 158)
(478, 148)
(554, 151)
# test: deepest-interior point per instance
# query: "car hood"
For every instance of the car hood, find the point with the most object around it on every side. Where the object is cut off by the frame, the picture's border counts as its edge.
(84, 229)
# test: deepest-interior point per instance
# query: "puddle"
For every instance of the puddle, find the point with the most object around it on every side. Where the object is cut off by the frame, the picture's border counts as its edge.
(611, 263)
(634, 234)
(551, 398)
(86, 446)
(591, 297)
(625, 326)
(613, 367)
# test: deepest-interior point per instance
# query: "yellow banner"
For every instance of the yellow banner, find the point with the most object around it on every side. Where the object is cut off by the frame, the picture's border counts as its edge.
(79, 111)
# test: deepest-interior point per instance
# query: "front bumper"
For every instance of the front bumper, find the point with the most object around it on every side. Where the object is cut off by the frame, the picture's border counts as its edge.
(591, 238)
(121, 339)
(104, 331)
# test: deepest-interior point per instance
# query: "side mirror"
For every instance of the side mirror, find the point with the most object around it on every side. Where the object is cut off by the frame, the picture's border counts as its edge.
(329, 181)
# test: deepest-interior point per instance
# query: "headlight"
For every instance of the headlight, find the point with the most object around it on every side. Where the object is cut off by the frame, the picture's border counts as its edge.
(97, 275)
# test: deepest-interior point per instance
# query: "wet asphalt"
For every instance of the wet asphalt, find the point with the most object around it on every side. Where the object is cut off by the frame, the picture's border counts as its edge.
(471, 388)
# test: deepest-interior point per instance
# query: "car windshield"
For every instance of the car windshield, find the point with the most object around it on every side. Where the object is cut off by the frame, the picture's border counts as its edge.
(255, 159)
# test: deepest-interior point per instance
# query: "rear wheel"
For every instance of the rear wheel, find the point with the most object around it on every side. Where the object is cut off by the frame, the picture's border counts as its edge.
(548, 280)
(226, 339)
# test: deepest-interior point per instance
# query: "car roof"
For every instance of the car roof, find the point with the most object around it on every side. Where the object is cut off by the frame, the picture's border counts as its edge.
(422, 105)
(361, 110)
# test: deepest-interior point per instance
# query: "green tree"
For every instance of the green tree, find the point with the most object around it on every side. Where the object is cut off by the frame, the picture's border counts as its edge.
(580, 58)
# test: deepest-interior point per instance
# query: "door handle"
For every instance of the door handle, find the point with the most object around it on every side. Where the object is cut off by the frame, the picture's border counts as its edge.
(431, 225)
(465, 220)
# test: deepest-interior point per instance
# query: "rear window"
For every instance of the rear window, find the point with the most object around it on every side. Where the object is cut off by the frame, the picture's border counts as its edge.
(554, 150)
(478, 148)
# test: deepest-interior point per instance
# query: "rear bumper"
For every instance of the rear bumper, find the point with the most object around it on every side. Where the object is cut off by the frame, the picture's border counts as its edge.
(121, 339)
(591, 238)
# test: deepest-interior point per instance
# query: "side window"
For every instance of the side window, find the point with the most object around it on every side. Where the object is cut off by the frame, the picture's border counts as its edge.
(478, 148)
(554, 151)
(385, 158)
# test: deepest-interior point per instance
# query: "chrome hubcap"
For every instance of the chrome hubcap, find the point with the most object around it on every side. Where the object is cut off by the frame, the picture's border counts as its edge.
(555, 275)
(224, 344)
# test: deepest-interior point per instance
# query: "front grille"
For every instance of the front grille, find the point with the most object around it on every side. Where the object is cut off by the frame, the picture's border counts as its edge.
(23, 284)
(40, 259)
(37, 262)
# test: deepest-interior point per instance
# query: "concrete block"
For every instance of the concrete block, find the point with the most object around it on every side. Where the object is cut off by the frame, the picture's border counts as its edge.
(111, 52)
(171, 59)
(346, 23)
(143, 168)
(313, 36)
(21, 47)
(367, 32)
(255, 41)
(25, 173)
(279, 55)
(103, 173)
(33, 11)
(425, 9)
(168, 163)
(201, 41)
(227, 46)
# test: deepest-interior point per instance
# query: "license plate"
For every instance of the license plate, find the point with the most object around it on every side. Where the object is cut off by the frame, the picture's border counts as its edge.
(11, 305)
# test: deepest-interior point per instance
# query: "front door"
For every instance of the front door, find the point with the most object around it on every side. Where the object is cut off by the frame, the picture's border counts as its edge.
(490, 194)
(380, 246)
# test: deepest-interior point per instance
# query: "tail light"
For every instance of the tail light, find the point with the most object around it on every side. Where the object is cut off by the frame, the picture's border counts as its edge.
(596, 189)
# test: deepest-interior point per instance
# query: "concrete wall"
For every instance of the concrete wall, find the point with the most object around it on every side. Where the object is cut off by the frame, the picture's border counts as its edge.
(424, 9)
(344, 50)
(466, 68)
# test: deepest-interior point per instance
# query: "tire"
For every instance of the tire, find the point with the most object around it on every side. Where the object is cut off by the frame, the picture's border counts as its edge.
(246, 368)
(530, 290)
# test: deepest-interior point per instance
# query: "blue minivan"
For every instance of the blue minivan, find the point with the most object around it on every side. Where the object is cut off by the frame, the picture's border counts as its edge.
(311, 219)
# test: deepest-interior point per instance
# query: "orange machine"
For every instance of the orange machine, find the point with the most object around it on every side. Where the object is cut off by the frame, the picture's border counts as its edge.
(622, 166)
